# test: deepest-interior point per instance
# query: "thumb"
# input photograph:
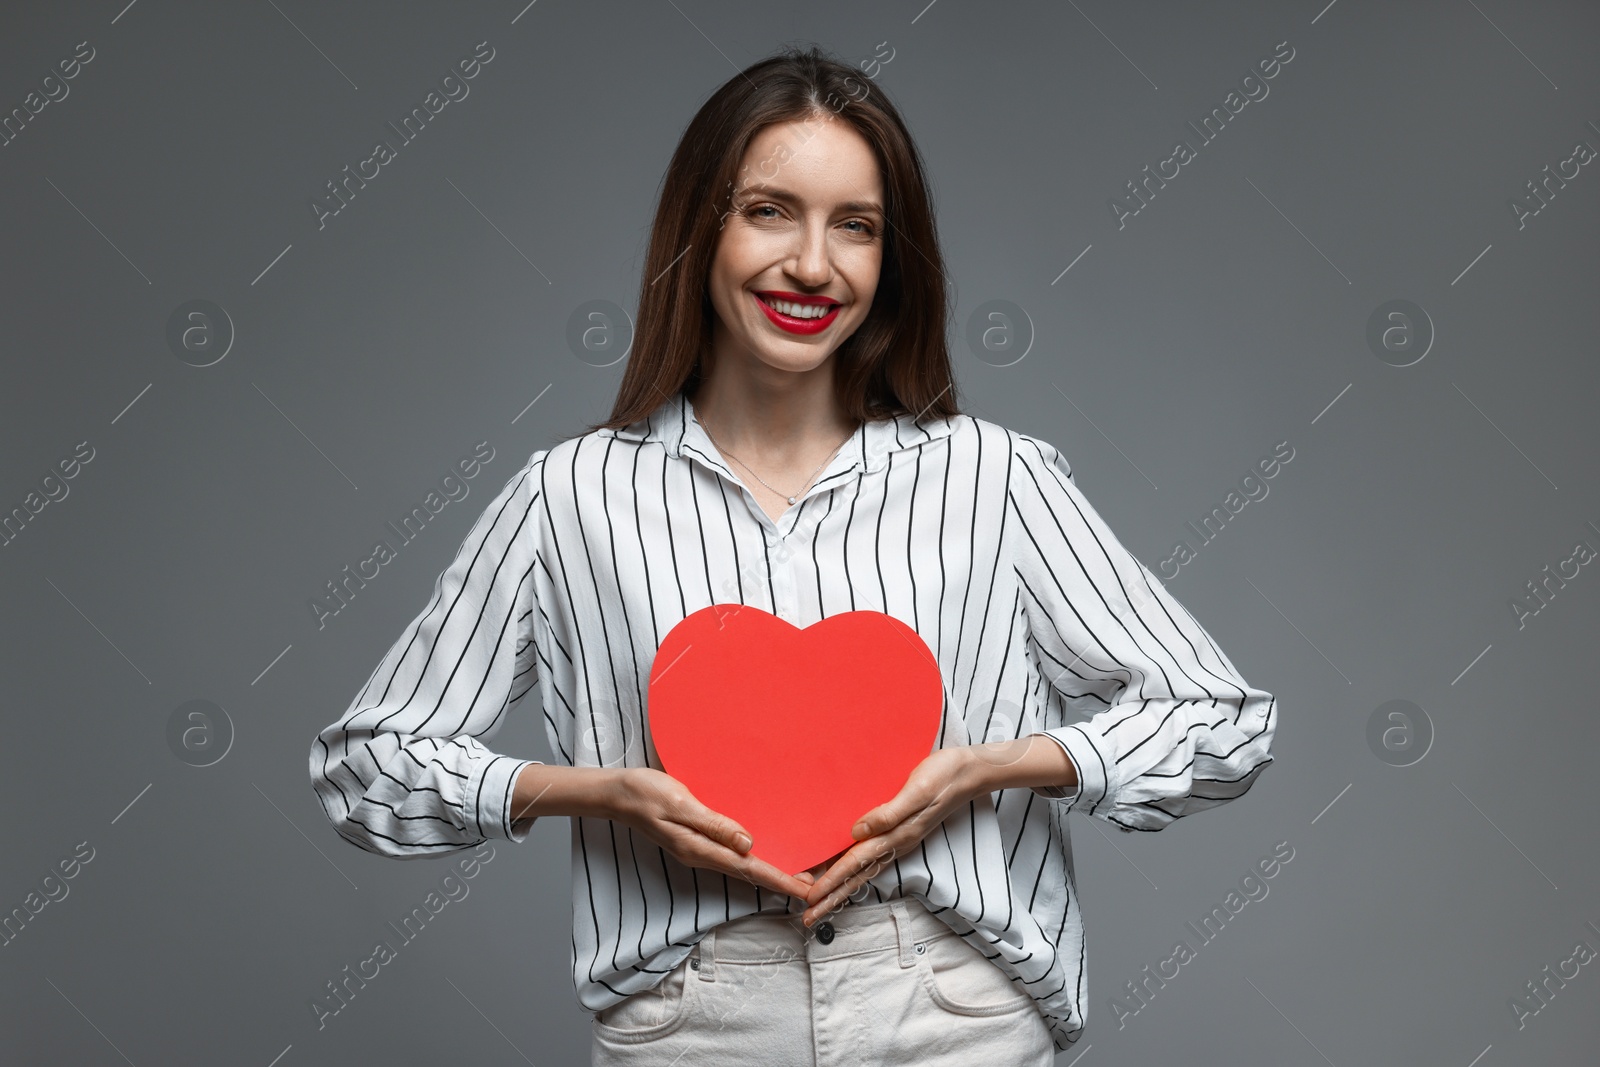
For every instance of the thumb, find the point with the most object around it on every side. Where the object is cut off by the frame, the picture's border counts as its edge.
(725, 831)
(873, 822)
(713, 824)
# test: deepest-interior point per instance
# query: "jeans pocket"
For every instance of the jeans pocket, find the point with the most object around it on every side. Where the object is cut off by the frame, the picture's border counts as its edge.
(649, 1013)
(961, 980)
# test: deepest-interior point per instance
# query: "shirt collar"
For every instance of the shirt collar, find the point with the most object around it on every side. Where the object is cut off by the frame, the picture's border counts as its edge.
(673, 425)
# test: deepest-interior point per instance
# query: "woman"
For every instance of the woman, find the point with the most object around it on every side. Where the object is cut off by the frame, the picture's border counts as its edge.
(785, 436)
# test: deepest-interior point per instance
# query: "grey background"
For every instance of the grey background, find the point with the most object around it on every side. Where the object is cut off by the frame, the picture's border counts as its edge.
(1228, 315)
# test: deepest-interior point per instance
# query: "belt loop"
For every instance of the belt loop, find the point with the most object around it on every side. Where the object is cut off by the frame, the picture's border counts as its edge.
(903, 932)
(705, 953)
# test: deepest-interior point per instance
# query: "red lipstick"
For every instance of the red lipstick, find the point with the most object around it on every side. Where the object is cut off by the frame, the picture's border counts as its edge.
(791, 323)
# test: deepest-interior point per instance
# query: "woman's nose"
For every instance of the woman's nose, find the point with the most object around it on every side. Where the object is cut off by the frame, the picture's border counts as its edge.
(811, 263)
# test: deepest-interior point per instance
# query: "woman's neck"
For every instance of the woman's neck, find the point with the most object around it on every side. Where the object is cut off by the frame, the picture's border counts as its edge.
(774, 427)
(776, 438)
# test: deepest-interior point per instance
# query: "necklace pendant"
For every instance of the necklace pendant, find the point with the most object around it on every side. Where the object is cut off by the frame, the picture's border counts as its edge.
(791, 500)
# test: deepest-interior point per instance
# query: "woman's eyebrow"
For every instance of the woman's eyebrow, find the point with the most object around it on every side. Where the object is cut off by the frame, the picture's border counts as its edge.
(785, 195)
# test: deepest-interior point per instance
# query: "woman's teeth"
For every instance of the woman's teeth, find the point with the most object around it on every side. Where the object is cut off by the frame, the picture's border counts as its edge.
(797, 311)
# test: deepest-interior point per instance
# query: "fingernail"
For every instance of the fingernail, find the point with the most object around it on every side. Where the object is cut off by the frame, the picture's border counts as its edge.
(741, 842)
(859, 830)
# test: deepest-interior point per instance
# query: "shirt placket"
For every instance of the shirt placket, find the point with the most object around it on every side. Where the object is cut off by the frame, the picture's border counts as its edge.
(781, 542)
(785, 539)
(780, 557)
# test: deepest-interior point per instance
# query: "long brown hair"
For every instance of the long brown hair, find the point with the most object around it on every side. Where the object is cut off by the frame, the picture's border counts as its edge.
(897, 360)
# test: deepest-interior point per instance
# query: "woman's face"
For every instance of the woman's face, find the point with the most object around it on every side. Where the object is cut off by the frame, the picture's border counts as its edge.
(805, 232)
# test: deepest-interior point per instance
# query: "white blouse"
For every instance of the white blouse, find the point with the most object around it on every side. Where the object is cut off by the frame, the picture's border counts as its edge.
(972, 534)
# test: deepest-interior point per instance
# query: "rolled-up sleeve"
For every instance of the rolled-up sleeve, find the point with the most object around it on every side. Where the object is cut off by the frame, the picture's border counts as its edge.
(405, 771)
(1183, 731)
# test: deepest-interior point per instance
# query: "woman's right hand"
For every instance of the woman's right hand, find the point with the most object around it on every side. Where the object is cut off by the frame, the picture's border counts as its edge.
(664, 810)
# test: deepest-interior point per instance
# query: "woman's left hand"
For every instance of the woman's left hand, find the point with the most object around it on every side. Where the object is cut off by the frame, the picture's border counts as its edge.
(947, 779)
(937, 786)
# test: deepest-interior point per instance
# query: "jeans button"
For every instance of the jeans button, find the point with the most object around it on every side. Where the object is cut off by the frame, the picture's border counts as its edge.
(825, 933)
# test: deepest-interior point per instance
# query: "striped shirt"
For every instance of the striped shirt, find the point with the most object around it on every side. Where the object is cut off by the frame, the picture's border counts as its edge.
(972, 534)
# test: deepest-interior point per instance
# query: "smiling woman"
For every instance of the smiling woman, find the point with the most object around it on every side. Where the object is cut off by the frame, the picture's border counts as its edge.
(818, 196)
(786, 439)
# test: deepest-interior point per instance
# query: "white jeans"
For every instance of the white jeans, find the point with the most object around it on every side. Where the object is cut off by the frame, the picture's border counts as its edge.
(893, 986)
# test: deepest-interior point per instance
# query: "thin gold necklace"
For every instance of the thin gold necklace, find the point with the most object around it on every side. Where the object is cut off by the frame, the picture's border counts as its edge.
(763, 481)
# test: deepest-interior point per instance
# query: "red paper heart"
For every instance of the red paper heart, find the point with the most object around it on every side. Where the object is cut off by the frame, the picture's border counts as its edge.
(794, 734)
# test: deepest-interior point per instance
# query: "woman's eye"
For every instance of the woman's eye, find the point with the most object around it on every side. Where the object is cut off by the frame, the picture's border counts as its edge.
(756, 211)
(866, 227)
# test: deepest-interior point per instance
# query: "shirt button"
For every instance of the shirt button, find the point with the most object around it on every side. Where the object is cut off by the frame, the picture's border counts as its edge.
(825, 933)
